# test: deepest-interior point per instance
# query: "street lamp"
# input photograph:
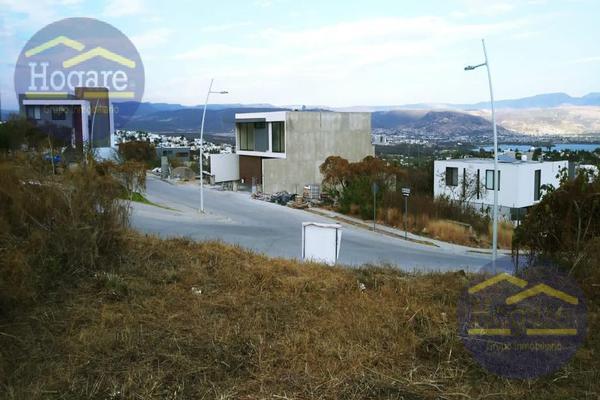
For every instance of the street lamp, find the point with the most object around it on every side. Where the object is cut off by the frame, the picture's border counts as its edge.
(210, 91)
(495, 224)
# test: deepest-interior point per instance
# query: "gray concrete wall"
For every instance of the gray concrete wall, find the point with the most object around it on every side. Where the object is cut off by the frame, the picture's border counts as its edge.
(311, 137)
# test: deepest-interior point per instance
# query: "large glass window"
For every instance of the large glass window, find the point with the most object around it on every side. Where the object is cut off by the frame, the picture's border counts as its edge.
(537, 185)
(278, 132)
(246, 132)
(489, 179)
(34, 112)
(451, 176)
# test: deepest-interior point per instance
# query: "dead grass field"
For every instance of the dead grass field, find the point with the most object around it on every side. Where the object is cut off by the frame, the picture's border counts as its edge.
(180, 320)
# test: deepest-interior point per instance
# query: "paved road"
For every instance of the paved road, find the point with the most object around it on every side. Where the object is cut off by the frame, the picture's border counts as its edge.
(275, 230)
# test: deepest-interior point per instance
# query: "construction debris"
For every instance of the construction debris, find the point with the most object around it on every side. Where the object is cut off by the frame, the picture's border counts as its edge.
(310, 197)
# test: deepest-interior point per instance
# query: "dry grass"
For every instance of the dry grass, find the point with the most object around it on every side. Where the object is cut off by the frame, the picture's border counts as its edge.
(505, 234)
(91, 310)
(179, 320)
(449, 231)
(446, 230)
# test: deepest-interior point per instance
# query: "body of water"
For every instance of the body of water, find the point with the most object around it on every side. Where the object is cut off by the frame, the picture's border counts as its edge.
(557, 147)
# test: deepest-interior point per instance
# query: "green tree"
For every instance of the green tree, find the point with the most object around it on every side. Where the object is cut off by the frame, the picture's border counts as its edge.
(139, 151)
(564, 227)
(17, 131)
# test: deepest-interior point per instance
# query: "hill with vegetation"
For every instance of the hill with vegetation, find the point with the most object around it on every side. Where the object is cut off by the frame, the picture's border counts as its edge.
(91, 309)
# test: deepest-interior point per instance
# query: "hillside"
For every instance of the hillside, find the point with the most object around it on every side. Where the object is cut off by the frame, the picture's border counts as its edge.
(442, 123)
(181, 320)
(90, 309)
(222, 120)
(566, 120)
(183, 120)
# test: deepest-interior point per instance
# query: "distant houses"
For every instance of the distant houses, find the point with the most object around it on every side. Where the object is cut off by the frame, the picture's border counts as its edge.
(520, 182)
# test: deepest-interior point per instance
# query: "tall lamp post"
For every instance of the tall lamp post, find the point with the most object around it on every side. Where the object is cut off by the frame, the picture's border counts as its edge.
(210, 91)
(496, 180)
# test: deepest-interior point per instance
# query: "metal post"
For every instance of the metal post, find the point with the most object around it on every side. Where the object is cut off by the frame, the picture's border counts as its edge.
(495, 212)
(202, 149)
(91, 144)
(374, 206)
(406, 217)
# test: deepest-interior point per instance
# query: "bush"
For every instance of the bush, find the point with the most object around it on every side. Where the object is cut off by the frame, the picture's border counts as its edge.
(564, 227)
(139, 151)
(54, 228)
(17, 132)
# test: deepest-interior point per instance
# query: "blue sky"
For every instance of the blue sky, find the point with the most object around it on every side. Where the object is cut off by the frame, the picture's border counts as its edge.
(337, 53)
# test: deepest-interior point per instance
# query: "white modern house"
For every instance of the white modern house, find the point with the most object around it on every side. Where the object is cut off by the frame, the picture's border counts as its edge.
(519, 182)
(83, 118)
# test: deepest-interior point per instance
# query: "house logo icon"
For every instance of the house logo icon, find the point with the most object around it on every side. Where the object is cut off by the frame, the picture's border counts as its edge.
(80, 53)
(522, 326)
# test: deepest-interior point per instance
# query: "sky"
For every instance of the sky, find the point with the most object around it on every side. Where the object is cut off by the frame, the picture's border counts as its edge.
(335, 53)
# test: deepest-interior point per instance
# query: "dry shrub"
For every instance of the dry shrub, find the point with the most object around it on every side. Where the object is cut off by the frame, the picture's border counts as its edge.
(54, 228)
(449, 231)
(505, 234)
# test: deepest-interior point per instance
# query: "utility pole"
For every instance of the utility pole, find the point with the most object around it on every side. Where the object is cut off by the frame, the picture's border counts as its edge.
(210, 91)
(374, 189)
(495, 212)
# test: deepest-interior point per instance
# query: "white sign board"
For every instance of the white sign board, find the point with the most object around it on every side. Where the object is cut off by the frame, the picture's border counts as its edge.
(225, 167)
(321, 242)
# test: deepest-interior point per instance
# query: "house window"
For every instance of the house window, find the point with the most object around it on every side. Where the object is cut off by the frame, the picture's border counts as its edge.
(537, 184)
(181, 154)
(246, 131)
(451, 176)
(278, 132)
(260, 125)
(489, 179)
(34, 112)
(59, 114)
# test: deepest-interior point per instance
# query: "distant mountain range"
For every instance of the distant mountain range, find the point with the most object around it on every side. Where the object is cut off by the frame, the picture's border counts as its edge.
(547, 100)
(445, 124)
(172, 119)
(550, 113)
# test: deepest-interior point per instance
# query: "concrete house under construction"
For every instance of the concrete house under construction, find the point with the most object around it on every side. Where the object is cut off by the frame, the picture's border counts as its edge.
(283, 150)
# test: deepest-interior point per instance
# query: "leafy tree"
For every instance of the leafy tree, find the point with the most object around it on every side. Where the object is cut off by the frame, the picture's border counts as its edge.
(17, 131)
(351, 183)
(564, 227)
(140, 151)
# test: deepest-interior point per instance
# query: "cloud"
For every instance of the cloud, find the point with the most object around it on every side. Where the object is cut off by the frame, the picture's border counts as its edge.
(152, 38)
(36, 13)
(124, 8)
(586, 60)
(340, 51)
(265, 3)
(213, 51)
(225, 27)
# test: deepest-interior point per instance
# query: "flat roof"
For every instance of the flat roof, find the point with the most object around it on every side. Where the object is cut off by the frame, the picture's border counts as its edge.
(280, 115)
(500, 161)
(55, 102)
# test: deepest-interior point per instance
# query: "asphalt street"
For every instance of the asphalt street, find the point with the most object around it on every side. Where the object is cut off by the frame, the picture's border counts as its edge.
(236, 218)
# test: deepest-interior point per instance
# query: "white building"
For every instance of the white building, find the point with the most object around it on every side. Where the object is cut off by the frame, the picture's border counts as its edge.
(519, 181)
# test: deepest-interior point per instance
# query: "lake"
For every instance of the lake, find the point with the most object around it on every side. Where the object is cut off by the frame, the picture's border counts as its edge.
(558, 147)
